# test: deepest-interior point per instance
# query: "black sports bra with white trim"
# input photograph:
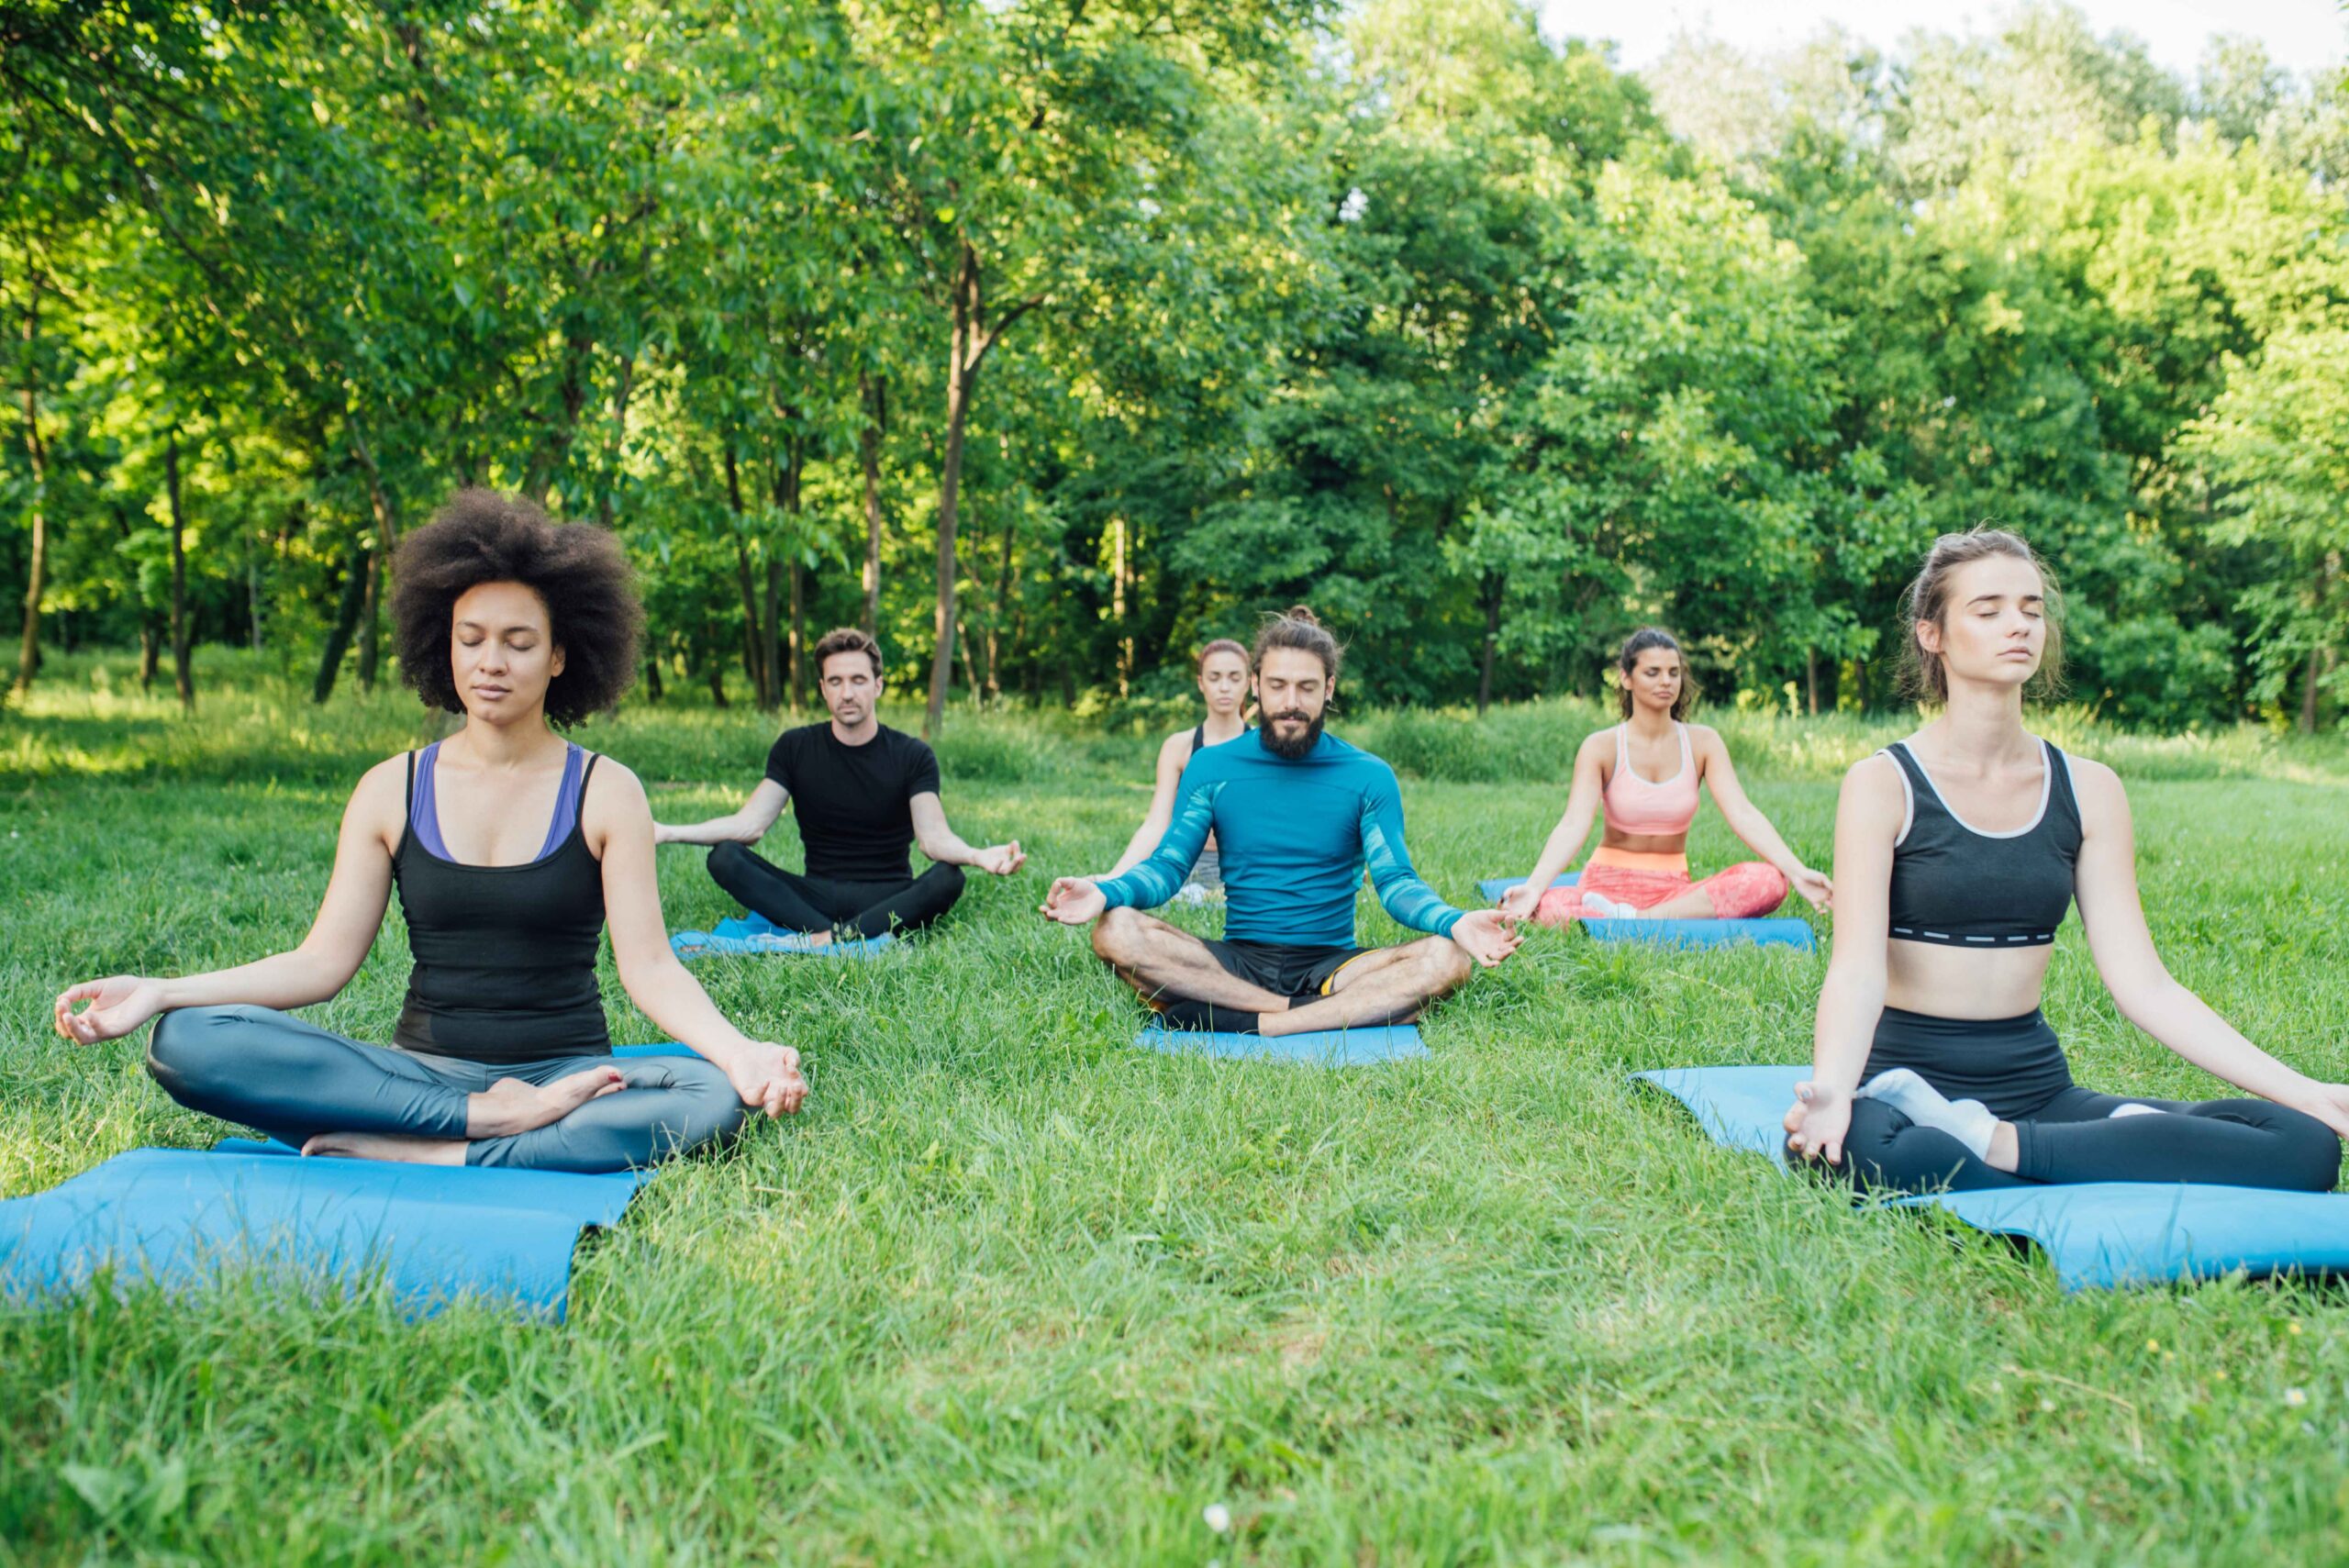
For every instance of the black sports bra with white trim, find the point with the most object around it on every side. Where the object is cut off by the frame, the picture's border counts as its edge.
(1956, 886)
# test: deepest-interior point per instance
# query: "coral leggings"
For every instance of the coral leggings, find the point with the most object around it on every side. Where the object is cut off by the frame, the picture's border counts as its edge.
(1643, 881)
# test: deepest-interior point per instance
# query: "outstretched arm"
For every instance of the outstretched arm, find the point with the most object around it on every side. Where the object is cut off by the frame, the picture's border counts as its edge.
(1745, 820)
(1172, 755)
(1566, 840)
(941, 844)
(1487, 936)
(1157, 876)
(620, 828)
(349, 918)
(2147, 994)
(746, 825)
(1851, 999)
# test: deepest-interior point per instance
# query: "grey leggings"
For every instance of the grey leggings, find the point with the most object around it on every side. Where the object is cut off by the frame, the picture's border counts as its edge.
(262, 1068)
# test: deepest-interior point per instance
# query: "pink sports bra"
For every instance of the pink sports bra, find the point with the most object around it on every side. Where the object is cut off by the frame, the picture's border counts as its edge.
(1635, 807)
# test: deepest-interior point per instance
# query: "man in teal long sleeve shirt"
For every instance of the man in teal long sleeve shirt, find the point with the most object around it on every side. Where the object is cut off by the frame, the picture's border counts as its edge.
(1297, 815)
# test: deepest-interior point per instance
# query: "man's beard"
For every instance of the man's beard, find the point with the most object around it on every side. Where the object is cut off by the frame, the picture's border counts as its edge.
(1292, 750)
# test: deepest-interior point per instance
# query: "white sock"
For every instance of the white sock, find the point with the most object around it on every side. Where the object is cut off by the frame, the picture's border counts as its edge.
(1607, 909)
(1968, 1121)
(2119, 1111)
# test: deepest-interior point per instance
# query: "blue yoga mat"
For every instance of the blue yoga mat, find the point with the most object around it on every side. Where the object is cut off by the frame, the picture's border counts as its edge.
(1323, 1048)
(1783, 933)
(435, 1233)
(755, 936)
(2105, 1234)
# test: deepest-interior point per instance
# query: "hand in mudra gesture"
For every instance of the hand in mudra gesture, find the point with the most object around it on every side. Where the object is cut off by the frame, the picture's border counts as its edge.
(1519, 902)
(115, 1006)
(1073, 901)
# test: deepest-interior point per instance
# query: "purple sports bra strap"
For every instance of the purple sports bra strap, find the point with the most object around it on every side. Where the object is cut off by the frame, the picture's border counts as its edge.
(576, 765)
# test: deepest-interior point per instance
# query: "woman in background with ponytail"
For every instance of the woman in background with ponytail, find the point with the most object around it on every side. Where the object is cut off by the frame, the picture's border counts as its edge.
(1222, 675)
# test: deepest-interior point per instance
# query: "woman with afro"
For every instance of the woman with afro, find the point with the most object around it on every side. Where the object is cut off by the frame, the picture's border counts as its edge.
(512, 850)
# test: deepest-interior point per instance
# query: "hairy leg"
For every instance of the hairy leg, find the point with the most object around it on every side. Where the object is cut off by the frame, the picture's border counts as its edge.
(1153, 957)
(1390, 986)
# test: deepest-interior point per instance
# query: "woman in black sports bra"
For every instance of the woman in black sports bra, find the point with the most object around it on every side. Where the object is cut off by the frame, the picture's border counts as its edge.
(511, 850)
(1957, 853)
(1222, 671)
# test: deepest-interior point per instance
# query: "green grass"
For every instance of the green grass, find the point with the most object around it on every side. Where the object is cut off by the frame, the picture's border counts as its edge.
(1010, 1290)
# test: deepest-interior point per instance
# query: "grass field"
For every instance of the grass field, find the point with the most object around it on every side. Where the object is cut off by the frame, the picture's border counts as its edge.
(1011, 1291)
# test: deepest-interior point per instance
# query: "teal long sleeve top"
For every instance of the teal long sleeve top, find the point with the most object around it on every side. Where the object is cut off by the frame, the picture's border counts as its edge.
(1294, 836)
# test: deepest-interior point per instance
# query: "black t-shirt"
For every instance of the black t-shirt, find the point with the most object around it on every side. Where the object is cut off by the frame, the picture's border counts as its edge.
(855, 803)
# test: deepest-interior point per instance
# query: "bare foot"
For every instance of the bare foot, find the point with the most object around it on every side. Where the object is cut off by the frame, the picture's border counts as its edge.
(818, 939)
(386, 1146)
(510, 1105)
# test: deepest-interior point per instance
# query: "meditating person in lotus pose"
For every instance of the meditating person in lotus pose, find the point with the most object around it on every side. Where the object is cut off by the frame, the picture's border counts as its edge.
(1957, 853)
(1299, 813)
(1639, 870)
(1222, 670)
(510, 848)
(865, 793)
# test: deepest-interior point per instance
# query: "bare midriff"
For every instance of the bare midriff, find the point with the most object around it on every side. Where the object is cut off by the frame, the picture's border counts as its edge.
(1949, 983)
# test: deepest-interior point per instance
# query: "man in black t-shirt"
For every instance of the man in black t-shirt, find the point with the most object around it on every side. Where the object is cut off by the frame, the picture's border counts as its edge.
(865, 792)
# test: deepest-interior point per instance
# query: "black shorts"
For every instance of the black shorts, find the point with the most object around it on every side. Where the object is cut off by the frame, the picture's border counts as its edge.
(1283, 970)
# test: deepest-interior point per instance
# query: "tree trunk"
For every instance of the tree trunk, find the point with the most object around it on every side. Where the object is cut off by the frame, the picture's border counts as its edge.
(960, 375)
(346, 621)
(387, 539)
(182, 676)
(972, 338)
(718, 682)
(1810, 679)
(754, 664)
(2308, 690)
(798, 638)
(371, 620)
(1494, 587)
(788, 476)
(868, 452)
(771, 634)
(36, 460)
(653, 677)
(149, 651)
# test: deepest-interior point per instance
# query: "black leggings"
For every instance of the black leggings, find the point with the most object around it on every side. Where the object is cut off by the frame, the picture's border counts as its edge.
(813, 904)
(2063, 1132)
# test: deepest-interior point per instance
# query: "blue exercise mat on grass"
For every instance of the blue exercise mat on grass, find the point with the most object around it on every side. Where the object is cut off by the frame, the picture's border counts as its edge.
(435, 1233)
(2096, 1233)
(755, 936)
(1796, 934)
(1323, 1048)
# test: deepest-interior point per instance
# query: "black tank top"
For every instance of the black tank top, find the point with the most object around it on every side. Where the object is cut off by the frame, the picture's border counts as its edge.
(504, 955)
(1962, 888)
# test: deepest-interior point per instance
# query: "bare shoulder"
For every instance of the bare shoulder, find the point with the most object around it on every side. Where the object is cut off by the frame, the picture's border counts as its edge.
(1873, 779)
(2096, 786)
(382, 788)
(1707, 741)
(1176, 746)
(615, 787)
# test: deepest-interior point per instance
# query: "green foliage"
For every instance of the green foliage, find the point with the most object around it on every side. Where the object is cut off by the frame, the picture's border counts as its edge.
(1484, 347)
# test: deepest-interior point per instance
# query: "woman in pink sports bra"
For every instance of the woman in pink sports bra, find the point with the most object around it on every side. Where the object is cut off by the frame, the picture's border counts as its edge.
(1639, 870)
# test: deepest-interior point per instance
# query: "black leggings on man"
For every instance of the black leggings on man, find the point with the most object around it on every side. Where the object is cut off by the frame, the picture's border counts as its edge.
(2063, 1132)
(814, 903)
